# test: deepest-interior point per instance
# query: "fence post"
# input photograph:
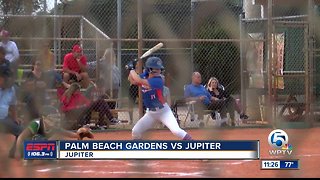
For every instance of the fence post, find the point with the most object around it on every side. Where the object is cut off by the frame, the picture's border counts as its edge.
(97, 56)
(59, 39)
(242, 71)
(140, 64)
(310, 65)
(55, 32)
(119, 22)
(191, 35)
(270, 61)
(81, 31)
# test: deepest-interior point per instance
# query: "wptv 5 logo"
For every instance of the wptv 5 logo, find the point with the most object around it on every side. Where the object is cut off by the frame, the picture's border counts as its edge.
(279, 140)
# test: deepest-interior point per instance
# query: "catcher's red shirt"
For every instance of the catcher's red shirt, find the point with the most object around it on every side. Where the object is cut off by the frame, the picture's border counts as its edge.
(77, 100)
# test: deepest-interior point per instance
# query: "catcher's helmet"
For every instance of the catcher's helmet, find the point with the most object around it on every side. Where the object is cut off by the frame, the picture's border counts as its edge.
(154, 63)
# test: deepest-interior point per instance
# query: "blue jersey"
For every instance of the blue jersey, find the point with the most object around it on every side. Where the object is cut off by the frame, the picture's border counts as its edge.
(153, 97)
(192, 90)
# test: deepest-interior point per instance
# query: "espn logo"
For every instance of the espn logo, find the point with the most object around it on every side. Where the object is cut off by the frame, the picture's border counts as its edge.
(40, 146)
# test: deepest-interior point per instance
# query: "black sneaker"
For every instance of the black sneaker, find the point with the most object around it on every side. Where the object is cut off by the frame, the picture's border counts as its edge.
(243, 116)
(114, 121)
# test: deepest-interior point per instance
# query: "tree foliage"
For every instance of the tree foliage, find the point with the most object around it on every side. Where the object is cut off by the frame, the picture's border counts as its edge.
(21, 6)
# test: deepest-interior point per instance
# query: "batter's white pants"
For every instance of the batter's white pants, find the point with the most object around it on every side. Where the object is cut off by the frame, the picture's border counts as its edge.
(164, 115)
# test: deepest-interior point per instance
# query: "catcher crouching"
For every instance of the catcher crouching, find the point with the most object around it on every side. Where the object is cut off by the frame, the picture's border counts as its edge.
(46, 128)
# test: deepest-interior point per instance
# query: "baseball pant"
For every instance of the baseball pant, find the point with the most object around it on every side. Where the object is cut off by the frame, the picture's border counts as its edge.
(164, 115)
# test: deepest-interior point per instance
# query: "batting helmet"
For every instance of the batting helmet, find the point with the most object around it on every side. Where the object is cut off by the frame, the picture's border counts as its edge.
(154, 63)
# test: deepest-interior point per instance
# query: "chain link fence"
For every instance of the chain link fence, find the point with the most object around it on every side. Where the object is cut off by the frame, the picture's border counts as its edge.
(57, 34)
(216, 38)
(264, 53)
(285, 84)
(313, 53)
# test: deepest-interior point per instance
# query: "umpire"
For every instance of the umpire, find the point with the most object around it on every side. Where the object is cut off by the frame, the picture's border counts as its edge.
(8, 115)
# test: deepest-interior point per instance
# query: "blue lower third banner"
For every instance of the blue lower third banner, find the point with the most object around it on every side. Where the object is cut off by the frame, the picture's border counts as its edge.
(40, 150)
(158, 149)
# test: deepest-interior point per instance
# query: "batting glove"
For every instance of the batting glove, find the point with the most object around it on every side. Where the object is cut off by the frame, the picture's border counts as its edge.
(131, 65)
(145, 73)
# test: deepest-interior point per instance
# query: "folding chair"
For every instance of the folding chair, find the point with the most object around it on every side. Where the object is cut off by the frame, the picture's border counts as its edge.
(190, 112)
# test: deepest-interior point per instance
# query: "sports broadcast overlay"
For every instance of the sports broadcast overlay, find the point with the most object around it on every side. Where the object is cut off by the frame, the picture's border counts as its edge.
(142, 149)
(278, 140)
(280, 164)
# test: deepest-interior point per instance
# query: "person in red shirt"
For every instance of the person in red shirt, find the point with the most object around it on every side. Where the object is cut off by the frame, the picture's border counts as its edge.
(75, 67)
(73, 104)
(77, 107)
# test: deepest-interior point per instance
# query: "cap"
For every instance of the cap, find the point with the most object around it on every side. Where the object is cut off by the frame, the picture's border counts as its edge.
(77, 48)
(4, 33)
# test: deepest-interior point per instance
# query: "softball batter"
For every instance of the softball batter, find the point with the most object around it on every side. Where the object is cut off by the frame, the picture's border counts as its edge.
(156, 107)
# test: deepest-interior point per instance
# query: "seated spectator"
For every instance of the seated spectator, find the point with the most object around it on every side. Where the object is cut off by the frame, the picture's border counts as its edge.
(198, 93)
(98, 104)
(12, 51)
(78, 108)
(9, 121)
(75, 67)
(6, 64)
(219, 94)
(3, 60)
(34, 91)
(111, 74)
(46, 57)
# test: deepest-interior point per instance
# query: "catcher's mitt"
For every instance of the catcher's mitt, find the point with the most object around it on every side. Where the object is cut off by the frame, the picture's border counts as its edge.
(84, 132)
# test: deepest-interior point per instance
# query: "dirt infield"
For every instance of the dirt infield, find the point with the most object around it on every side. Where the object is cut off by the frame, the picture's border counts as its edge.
(305, 144)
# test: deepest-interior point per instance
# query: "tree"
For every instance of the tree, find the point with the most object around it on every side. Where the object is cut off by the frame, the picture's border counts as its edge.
(219, 59)
(20, 6)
